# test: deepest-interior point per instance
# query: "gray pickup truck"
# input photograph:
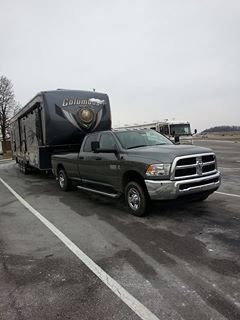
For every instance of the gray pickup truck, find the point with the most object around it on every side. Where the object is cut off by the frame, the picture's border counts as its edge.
(142, 165)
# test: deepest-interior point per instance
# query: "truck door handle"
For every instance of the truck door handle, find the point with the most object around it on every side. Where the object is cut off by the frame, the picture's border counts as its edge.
(81, 158)
(98, 158)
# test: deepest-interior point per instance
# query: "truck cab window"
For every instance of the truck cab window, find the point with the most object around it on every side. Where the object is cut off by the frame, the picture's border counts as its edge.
(107, 141)
(87, 146)
(161, 130)
(165, 130)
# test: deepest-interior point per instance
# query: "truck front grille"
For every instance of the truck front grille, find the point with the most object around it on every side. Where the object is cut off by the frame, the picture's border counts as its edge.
(194, 166)
(196, 184)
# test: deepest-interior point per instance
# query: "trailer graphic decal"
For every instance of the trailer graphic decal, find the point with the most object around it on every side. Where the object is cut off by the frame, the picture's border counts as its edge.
(85, 117)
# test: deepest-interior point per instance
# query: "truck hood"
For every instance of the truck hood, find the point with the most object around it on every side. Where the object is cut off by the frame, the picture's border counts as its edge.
(166, 153)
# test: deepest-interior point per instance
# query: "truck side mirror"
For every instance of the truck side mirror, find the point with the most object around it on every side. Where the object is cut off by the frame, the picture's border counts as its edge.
(195, 131)
(95, 146)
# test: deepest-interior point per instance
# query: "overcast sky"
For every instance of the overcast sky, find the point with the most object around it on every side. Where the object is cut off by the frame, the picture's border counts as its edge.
(155, 59)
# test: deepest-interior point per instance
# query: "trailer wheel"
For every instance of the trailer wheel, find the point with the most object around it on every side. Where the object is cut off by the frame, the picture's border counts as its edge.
(63, 180)
(136, 199)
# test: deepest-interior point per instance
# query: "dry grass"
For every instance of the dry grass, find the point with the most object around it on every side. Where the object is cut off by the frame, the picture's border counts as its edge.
(229, 136)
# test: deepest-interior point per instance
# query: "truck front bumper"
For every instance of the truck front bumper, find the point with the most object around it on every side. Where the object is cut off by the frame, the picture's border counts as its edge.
(166, 189)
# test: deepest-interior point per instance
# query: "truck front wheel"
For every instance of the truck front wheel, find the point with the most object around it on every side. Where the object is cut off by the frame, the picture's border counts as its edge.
(63, 180)
(136, 199)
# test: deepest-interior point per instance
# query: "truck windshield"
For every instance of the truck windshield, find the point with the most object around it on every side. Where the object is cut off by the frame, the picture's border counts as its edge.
(180, 129)
(141, 138)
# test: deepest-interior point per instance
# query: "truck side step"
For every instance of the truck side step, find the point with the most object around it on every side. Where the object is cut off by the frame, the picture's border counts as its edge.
(111, 195)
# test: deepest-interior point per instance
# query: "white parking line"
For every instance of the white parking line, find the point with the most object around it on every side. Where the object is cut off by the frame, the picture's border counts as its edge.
(228, 194)
(123, 294)
(228, 168)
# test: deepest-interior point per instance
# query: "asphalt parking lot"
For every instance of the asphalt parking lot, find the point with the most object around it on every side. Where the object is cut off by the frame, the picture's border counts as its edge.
(182, 261)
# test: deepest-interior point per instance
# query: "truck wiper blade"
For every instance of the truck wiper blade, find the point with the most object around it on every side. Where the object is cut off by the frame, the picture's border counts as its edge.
(141, 145)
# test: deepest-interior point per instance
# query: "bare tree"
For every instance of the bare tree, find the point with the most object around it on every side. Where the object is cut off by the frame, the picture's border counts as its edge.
(8, 106)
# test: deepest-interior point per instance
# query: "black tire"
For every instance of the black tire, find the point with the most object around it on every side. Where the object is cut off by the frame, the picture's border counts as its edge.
(63, 181)
(136, 199)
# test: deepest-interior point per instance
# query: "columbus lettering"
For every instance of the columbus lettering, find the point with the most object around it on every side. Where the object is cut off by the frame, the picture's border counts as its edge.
(71, 102)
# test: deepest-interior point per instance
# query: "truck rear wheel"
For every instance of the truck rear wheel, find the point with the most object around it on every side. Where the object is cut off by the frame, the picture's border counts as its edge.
(63, 180)
(136, 199)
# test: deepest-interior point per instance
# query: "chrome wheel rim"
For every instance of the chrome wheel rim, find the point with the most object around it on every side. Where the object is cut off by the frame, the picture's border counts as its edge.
(134, 199)
(61, 180)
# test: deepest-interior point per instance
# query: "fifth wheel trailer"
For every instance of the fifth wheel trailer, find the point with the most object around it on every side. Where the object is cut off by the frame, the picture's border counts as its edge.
(56, 121)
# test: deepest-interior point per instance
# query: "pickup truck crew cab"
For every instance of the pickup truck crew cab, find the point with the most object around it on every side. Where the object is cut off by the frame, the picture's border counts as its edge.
(140, 164)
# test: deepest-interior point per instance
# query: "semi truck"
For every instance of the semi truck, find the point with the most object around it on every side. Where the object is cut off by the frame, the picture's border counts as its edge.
(70, 133)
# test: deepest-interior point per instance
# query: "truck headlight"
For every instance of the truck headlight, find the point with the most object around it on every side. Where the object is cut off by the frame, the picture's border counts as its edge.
(160, 169)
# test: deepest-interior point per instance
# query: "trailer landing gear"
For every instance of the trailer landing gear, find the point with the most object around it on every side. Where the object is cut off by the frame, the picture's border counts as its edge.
(23, 167)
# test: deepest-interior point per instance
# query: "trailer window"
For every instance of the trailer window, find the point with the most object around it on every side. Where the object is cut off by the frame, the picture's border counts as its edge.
(38, 124)
(160, 129)
(165, 129)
